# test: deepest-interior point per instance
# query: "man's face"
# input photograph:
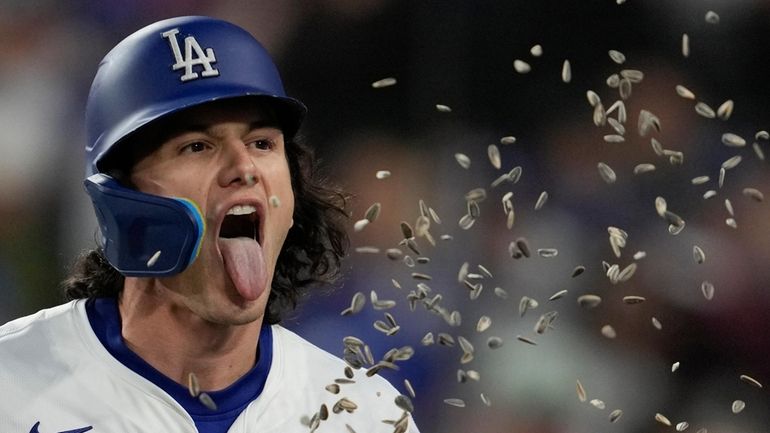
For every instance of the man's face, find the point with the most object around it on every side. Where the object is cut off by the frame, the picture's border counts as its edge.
(229, 158)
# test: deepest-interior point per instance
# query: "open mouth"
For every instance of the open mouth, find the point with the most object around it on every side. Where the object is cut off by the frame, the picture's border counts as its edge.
(241, 221)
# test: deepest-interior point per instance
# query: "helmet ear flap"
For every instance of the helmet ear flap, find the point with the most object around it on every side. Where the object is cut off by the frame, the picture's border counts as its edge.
(144, 235)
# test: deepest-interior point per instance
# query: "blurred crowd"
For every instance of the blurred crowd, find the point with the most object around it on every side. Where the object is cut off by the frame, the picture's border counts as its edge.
(460, 54)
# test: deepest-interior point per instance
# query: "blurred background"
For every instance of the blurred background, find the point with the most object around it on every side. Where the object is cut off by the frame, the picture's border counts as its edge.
(461, 54)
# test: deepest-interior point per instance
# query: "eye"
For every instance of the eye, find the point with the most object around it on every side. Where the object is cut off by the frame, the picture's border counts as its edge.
(194, 147)
(263, 144)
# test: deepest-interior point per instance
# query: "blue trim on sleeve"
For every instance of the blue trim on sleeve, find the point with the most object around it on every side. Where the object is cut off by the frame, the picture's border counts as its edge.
(104, 318)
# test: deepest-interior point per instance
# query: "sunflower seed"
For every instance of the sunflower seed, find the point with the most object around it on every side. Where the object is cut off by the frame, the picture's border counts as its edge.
(732, 162)
(700, 180)
(445, 339)
(738, 406)
(275, 201)
(494, 156)
(615, 415)
(598, 404)
(643, 168)
(558, 295)
(536, 50)
(346, 404)
(509, 139)
(614, 138)
(463, 160)
(475, 196)
(385, 82)
(525, 340)
(593, 98)
(617, 57)
(523, 246)
(394, 253)
(360, 224)
(547, 252)
(348, 372)
(750, 380)
(579, 269)
(685, 45)
(704, 110)
(589, 301)
(408, 261)
(193, 387)
(729, 207)
(708, 290)
(621, 107)
(207, 401)
(606, 173)
(731, 223)
(367, 250)
(599, 116)
(684, 92)
(541, 200)
(633, 75)
(443, 108)
(608, 331)
(545, 322)
(708, 194)
(382, 174)
(404, 403)
(722, 173)
(153, 259)
(581, 392)
(566, 72)
(698, 255)
(682, 426)
(501, 293)
(662, 419)
(456, 402)
(484, 399)
(521, 66)
(613, 81)
(373, 212)
(660, 206)
(356, 304)
(483, 324)
(733, 140)
(633, 299)
(333, 388)
(675, 366)
(656, 323)
(754, 194)
(617, 126)
(639, 255)
(725, 110)
(712, 17)
(624, 88)
(656, 147)
(758, 151)
(647, 121)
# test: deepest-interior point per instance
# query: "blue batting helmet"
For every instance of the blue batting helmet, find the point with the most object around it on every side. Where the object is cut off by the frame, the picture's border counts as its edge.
(161, 69)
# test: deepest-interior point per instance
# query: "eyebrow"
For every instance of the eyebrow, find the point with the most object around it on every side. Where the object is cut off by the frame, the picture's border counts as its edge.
(207, 128)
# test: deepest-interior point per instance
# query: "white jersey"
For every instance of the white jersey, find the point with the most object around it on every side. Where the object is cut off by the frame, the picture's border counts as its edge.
(56, 376)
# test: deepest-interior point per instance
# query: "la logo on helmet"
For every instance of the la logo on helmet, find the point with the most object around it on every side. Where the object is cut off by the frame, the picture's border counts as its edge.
(193, 55)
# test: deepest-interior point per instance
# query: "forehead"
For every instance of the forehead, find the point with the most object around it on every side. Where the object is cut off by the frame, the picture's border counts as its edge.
(207, 116)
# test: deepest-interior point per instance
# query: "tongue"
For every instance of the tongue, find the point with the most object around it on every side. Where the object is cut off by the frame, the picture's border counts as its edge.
(245, 264)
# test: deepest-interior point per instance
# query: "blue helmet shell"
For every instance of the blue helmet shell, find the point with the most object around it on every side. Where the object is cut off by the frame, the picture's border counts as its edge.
(159, 70)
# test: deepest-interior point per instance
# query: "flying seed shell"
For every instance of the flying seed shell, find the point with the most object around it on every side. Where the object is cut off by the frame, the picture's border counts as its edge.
(738, 406)
(367, 250)
(501, 293)
(682, 426)
(207, 401)
(700, 180)
(609, 332)
(581, 392)
(333, 388)
(589, 301)
(709, 194)
(643, 168)
(373, 212)
(526, 340)
(726, 109)
(647, 122)
(607, 174)
(639, 255)
(708, 290)
(463, 160)
(617, 126)
(509, 139)
(541, 200)
(617, 57)
(731, 223)
(593, 98)
(656, 146)
(599, 404)
(484, 399)
(536, 50)
(754, 194)
(443, 108)
(404, 403)
(193, 386)
(685, 45)
(599, 116)
(750, 380)
(758, 151)
(615, 415)
(382, 174)
(675, 367)
(656, 323)
(613, 81)
(704, 110)
(762, 135)
(579, 269)
(456, 402)
(521, 66)
(712, 17)
(385, 82)
(698, 255)
(633, 299)
(733, 140)
(660, 206)
(547, 252)
(360, 224)
(483, 324)
(494, 156)
(729, 207)
(558, 295)
(523, 246)
(684, 92)
(275, 201)
(566, 72)
(153, 260)
(409, 388)
(662, 419)
(624, 88)
(614, 138)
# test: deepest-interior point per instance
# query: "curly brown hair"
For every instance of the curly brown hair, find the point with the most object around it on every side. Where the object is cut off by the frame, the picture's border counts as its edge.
(311, 255)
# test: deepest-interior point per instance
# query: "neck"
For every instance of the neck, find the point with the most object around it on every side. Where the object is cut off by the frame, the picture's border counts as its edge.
(176, 341)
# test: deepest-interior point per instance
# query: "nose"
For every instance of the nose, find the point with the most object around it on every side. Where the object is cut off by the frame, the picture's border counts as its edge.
(237, 168)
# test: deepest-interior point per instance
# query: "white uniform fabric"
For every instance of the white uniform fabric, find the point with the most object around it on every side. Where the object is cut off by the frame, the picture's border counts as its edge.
(57, 377)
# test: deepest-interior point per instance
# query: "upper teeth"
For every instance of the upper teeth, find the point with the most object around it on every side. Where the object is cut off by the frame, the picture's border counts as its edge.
(241, 210)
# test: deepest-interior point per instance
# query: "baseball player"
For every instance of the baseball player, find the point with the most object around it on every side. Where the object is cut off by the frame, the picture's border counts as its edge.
(212, 222)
